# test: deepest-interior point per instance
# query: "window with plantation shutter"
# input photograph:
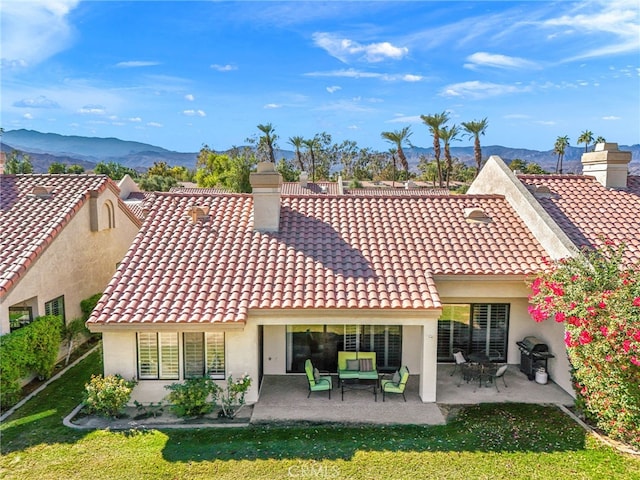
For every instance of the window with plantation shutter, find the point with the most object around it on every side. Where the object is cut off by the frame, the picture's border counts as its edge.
(158, 355)
(215, 354)
(55, 307)
(204, 355)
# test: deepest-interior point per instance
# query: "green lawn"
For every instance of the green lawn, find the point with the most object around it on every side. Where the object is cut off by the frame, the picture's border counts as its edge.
(509, 441)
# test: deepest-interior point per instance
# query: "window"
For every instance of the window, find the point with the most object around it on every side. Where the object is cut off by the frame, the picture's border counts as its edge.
(321, 343)
(204, 355)
(158, 355)
(55, 307)
(108, 215)
(477, 327)
(19, 317)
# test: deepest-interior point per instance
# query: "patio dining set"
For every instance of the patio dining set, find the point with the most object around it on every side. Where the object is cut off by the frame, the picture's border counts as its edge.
(478, 367)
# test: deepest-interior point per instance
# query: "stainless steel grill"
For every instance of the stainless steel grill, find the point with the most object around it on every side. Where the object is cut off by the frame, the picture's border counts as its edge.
(533, 355)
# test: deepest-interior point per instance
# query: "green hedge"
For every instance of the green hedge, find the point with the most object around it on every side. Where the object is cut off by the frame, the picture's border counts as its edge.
(31, 349)
(88, 304)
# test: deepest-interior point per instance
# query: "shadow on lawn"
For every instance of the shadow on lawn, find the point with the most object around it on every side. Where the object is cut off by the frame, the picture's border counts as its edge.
(481, 428)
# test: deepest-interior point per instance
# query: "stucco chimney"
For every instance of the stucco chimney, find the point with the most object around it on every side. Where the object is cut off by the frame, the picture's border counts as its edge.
(304, 179)
(608, 164)
(265, 184)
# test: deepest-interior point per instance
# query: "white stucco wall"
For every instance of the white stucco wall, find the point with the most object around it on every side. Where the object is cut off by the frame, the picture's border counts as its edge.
(77, 264)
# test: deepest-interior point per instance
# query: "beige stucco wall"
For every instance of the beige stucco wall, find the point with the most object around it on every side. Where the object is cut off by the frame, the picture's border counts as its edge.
(120, 357)
(77, 264)
(521, 324)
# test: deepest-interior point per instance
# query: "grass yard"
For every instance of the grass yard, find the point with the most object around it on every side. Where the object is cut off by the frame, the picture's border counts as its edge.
(507, 441)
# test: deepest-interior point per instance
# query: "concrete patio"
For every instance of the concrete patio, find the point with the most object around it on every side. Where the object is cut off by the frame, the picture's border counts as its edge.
(283, 398)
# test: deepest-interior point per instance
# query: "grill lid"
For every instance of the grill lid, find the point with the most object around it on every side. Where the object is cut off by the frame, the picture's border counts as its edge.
(533, 344)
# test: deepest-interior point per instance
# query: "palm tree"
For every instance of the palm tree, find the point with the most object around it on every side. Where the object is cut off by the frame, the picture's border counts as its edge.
(435, 122)
(298, 142)
(393, 152)
(448, 135)
(311, 144)
(560, 147)
(397, 137)
(268, 139)
(585, 137)
(475, 129)
(600, 139)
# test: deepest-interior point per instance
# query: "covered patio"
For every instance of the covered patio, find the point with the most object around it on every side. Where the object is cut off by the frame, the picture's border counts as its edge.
(283, 398)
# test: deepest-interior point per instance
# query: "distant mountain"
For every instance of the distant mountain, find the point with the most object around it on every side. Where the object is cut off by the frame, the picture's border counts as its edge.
(46, 148)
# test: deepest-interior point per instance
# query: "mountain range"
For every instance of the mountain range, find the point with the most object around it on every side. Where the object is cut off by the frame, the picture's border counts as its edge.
(46, 148)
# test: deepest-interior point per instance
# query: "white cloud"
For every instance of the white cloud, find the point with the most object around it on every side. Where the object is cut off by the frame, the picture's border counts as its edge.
(610, 117)
(484, 59)
(92, 110)
(333, 89)
(136, 64)
(154, 124)
(194, 113)
(272, 106)
(223, 68)
(477, 90)
(28, 116)
(405, 119)
(516, 116)
(34, 31)
(347, 50)
(412, 78)
(547, 123)
(353, 127)
(353, 73)
(36, 102)
(189, 97)
(135, 119)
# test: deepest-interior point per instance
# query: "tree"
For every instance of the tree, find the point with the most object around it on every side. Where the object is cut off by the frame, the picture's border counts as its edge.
(157, 183)
(298, 142)
(474, 129)
(312, 144)
(560, 147)
(57, 168)
(600, 139)
(398, 137)
(114, 170)
(75, 169)
(267, 141)
(448, 135)
(218, 170)
(435, 123)
(287, 170)
(17, 163)
(585, 137)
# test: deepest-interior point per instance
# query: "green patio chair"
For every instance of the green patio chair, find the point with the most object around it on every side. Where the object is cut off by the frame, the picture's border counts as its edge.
(397, 384)
(317, 382)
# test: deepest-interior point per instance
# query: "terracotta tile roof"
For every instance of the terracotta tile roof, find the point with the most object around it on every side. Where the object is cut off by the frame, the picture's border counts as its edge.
(30, 224)
(332, 252)
(397, 192)
(588, 212)
(320, 188)
(138, 203)
(200, 190)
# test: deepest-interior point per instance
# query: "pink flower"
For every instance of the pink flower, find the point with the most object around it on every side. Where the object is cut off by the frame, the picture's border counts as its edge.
(605, 331)
(556, 288)
(602, 304)
(636, 335)
(537, 314)
(585, 337)
(609, 358)
(636, 302)
(626, 346)
(635, 361)
(560, 317)
(568, 341)
(535, 286)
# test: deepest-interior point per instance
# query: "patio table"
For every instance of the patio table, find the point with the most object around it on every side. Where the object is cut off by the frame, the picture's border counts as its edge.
(359, 384)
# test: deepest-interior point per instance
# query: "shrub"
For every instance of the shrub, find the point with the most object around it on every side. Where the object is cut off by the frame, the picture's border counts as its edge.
(598, 299)
(108, 395)
(88, 304)
(231, 399)
(31, 349)
(191, 398)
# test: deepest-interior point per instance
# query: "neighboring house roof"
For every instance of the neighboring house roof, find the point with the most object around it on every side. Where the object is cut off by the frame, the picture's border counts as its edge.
(397, 192)
(137, 203)
(30, 222)
(331, 252)
(320, 188)
(590, 213)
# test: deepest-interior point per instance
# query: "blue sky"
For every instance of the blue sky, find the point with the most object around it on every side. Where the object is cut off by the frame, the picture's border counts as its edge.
(180, 74)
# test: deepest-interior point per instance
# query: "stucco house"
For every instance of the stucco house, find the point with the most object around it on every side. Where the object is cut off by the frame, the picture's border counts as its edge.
(61, 239)
(224, 284)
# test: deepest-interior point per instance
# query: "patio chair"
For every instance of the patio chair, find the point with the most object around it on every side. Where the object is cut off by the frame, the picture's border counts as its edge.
(460, 359)
(397, 384)
(317, 382)
(496, 373)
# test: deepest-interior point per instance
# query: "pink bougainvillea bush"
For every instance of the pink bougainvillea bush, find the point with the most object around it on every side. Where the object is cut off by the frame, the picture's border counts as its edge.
(598, 300)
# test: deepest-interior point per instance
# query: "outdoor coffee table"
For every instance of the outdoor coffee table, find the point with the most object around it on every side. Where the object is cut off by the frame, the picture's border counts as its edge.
(359, 384)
